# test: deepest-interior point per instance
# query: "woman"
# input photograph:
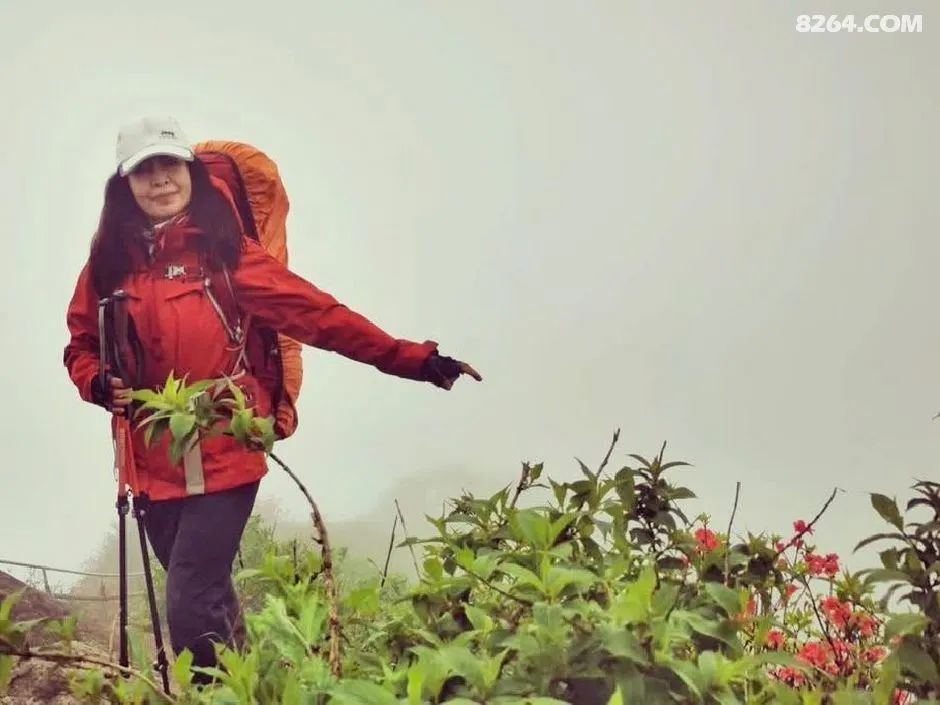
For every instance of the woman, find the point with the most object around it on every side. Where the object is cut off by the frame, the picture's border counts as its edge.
(164, 218)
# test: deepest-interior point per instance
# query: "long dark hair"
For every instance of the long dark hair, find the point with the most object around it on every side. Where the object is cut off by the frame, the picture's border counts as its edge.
(122, 222)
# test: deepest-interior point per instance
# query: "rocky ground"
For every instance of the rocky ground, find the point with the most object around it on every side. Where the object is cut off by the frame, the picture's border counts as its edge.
(36, 681)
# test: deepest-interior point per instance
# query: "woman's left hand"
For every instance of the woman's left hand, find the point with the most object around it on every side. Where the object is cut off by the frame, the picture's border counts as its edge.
(443, 371)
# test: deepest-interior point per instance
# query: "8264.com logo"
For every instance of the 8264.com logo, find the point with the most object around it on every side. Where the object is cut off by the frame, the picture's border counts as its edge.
(869, 23)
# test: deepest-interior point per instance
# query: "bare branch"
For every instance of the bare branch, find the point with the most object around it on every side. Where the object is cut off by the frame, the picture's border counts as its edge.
(388, 556)
(810, 525)
(609, 451)
(323, 538)
(734, 510)
(411, 548)
(62, 658)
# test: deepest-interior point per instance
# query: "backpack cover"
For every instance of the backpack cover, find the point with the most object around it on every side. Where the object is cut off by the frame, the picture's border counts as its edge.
(261, 199)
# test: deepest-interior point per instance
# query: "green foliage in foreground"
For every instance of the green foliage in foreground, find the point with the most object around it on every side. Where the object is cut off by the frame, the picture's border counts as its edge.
(606, 593)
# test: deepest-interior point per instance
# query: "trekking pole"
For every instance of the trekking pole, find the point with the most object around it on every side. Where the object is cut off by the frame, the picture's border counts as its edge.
(162, 665)
(112, 331)
(105, 318)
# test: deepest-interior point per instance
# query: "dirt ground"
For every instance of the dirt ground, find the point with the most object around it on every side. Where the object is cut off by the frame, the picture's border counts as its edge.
(36, 681)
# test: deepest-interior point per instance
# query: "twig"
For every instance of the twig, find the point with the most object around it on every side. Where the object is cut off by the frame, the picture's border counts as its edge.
(388, 556)
(58, 657)
(504, 593)
(810, 525)
(609, 451)
(734, 510)
(411, 548)
(520, 487)
(336, 666)
(822, 624)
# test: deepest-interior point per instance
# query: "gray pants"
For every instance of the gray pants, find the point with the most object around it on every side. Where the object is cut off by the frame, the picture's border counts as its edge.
(196, 539)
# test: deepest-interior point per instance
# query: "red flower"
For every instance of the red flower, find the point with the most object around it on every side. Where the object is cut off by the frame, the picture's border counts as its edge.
(874, 654)
(839, 613)
(775, 639)
(814, 653)
(707, 540)
(791, 589)
(790, 676)
(801, 527)
(819, 565)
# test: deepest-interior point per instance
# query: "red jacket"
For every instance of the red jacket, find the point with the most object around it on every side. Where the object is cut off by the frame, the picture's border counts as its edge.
(181, 331)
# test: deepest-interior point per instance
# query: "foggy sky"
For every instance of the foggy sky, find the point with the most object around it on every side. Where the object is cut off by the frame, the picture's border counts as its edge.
(684, 220)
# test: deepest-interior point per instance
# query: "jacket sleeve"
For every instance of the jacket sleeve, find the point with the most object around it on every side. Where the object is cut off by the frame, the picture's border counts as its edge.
(271, 293)
(81, 356)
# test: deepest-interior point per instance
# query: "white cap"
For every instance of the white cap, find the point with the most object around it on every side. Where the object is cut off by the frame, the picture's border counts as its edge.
(148, 137)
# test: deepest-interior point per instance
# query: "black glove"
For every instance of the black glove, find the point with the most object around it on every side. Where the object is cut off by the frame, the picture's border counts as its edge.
(438, 369)
(98, 394)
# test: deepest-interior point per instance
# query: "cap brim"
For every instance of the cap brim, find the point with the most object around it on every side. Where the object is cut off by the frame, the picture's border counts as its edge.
(168, 150)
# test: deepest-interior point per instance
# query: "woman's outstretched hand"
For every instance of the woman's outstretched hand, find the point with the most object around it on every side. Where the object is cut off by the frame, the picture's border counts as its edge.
(443, 371)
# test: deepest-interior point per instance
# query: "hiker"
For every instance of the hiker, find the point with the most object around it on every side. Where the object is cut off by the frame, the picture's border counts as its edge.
(166, 227)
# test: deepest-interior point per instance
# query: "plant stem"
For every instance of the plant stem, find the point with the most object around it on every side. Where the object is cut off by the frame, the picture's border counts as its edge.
(411, 548)
(388, 556)
(61, 658)
(811, 524)
(609, 451)
(734, 510)
(336, 666)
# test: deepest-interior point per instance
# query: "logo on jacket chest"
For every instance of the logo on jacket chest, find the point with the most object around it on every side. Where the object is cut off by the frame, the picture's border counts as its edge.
(183, 272)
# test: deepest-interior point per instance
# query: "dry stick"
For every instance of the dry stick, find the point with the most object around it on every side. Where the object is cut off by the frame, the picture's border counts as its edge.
(504, 593)
(388, 556)
(57, 657)
(822, 624)
(609, 451)
(411, 548)
(519, 487)
(336, 666)
(734, 510)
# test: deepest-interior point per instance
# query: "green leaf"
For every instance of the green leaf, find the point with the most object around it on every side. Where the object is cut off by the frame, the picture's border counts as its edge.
(888, 509)
(635, 604)
(559, 490)
(690, 675)
(241, 421)
(677, 493)
(523, 575)
(181, 425)
(902, 624)
(730, 600)
(878, 537)
(433, 567)
(6, 670)
(616, 698)
(916, 661)
(887, 680)
(559, 525)
(584, 470)
(623, 643)
(480, 620)
(883, 575)
(532, 527)
(560, 577)
(181, 668)
(361, 692)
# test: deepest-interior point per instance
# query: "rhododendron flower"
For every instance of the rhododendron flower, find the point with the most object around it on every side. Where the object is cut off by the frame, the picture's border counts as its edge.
(819, 565)
(839, 613)
(775, 639)
(707, 540)
(790, 676)
(874, 654)
(814, 653)
(801, 527)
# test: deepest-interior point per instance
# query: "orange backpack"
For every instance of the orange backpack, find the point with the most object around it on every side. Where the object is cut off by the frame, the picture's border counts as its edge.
(261, 199)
